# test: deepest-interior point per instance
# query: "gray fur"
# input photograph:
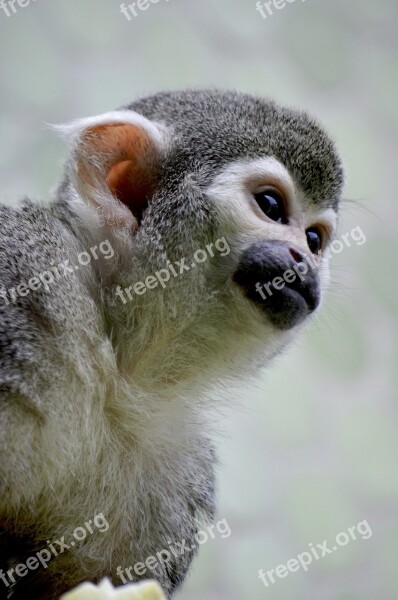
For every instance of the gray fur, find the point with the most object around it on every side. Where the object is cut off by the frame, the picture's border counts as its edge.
(217, 127)
(106, 407)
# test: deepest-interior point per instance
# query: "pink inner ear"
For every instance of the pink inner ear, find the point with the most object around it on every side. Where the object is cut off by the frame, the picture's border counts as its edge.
(129, 158)
(129, 186)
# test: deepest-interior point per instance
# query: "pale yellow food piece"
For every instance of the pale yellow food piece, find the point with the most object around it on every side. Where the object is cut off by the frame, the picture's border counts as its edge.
(148, 590)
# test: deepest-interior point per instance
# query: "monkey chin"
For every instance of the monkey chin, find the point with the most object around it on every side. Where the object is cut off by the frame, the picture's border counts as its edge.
(288, 310)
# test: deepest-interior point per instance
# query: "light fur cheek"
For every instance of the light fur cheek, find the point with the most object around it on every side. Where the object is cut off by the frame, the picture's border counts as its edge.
(324, 275)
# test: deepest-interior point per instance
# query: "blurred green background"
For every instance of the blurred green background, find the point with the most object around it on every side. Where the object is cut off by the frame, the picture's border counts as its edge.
(313, 448)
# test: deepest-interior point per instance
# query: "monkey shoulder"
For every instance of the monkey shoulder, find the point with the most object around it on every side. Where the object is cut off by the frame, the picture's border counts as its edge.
(45, 308)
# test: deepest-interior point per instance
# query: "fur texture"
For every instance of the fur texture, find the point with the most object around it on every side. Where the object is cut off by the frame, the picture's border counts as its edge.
(106, 407)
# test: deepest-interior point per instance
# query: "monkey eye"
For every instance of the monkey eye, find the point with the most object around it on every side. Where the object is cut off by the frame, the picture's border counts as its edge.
(272, 204)
(314, 239)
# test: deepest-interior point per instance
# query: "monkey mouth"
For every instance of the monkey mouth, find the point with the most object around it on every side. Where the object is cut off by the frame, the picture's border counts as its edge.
(285, 308)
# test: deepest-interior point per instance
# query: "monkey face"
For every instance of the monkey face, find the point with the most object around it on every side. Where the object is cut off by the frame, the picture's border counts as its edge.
(280, 239)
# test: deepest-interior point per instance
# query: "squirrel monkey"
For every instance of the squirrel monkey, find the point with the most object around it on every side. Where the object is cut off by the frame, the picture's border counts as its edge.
(197, 211)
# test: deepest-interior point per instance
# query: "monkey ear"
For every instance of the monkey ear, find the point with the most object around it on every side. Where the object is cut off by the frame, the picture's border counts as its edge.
(114, 164)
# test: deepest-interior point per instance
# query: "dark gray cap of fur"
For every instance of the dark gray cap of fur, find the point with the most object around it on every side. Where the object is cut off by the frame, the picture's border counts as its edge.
(215, 127)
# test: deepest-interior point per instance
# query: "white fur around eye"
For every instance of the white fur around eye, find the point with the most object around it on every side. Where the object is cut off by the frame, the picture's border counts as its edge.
(232, 193)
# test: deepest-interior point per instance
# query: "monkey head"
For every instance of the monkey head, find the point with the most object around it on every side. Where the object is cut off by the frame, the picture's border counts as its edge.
(221, 207)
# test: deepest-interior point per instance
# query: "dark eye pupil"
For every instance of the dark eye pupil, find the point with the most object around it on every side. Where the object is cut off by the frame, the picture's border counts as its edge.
(314, 240)
(272, 205)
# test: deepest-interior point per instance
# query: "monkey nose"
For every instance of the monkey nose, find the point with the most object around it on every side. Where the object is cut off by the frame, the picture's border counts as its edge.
(280, 280)
(295, 254)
